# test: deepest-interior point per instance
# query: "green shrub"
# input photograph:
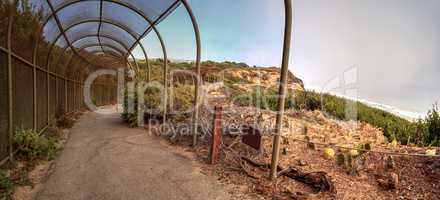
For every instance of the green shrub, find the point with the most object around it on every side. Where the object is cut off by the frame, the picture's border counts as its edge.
(6, 186)
(182, 98)
(392, 126)
(34, 146)
(423, 132)
(262, 98)
(179, 103)
(432, 123)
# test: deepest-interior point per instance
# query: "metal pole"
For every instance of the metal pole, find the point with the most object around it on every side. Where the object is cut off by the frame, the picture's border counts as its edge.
(11, 103)
(74, 97)
(48, 96)
(56, 96)
(198, 81)
(165, 78)
(282, 89)
(34, 89)
(65, 96)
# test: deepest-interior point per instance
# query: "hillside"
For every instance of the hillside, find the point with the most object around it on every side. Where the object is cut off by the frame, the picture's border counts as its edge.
(258, 86)
(374, 156)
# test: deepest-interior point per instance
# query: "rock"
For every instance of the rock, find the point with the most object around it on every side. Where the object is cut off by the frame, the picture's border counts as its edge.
(390, 164)
(311, 145)
(354, 153)
(394, 180)
(391, 182)
(430, 152)
(301, 163)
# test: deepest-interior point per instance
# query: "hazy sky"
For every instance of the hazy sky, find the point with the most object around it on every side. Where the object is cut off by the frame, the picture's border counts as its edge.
(393, 46)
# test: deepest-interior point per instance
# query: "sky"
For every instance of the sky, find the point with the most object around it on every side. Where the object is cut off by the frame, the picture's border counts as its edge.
(386, 52)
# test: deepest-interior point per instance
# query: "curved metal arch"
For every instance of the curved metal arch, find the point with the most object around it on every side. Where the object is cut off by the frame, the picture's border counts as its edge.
(102, 36)
(152, 25)
(128, 6)
(97, 45)
(121, 26)
(92, 21)
(105, 36)
(60, 27)
(198, 59)
(124, 58)
(109, 55)
(126, 29)
(103, 51)
(112, 56)
(140, 13)
(110, 37)
(122, 53)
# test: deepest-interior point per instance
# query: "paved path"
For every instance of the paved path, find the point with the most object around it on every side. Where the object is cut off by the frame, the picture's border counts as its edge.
(103, 159)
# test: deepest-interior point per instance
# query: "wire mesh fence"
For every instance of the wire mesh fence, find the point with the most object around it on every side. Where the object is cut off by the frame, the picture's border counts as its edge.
(3, 105)
(40, 79)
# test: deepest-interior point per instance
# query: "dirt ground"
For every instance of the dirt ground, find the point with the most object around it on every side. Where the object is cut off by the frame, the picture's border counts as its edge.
(416, 177)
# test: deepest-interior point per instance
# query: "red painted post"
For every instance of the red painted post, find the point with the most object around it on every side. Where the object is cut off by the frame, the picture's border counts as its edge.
(216, 135)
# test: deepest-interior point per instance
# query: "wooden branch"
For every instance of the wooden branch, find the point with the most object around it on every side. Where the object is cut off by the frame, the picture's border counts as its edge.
(318, 180)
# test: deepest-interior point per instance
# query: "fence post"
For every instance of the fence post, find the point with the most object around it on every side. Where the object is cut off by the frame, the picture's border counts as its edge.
(34, 89)
(216, 135)
(65, 95)
(282, 89)
(10, 101)
(48, 95)
(56, 96)
(74, 96)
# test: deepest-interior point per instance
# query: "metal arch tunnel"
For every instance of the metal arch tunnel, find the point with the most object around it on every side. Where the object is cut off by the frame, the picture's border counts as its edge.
(72, 39)
(64, 52)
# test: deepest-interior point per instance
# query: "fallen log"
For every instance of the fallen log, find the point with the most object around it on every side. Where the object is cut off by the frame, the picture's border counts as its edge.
(320, 181)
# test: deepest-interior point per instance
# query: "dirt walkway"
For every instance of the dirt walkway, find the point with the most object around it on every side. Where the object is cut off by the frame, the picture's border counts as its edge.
(103, 159)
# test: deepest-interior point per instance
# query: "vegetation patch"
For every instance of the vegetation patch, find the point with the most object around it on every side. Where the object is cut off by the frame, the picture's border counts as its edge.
(6, 186)
(33, 146)
(423, 132)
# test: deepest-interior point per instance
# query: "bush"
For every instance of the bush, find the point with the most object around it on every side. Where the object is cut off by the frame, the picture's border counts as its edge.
(182, 98)
(33, 146)
(6, 186)
(432, 127)
(180, 102)
(423, 132)
(264, 99)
